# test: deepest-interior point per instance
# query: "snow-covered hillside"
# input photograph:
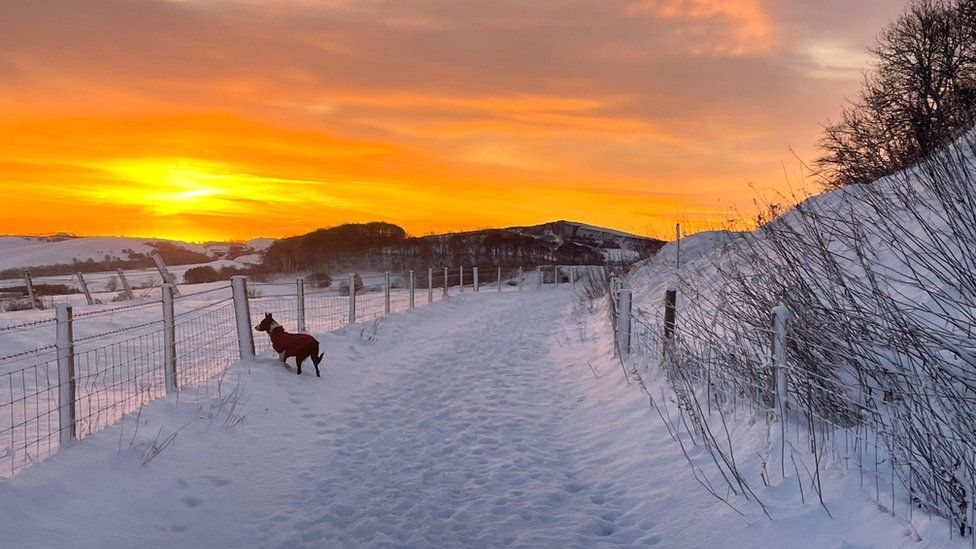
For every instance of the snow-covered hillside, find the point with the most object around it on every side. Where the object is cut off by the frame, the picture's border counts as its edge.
(19, 252)
(878, 281)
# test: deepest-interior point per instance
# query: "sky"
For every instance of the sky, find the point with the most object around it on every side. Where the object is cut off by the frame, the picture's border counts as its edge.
(206, 119)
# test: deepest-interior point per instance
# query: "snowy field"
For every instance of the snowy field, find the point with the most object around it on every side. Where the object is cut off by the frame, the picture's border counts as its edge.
(484, 420)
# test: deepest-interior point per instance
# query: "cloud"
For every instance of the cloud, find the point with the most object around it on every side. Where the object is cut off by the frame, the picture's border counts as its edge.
(433, 104)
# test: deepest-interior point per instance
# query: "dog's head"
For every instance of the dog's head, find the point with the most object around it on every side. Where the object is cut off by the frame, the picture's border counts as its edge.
(267, 324)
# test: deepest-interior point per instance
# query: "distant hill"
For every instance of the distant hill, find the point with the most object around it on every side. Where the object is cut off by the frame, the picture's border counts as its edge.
(364, 246)
(67, 254)
(385, 246)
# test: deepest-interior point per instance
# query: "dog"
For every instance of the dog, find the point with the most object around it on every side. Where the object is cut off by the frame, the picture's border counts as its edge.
(300, 346)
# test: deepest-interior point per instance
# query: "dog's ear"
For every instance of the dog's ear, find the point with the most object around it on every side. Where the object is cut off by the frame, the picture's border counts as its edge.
(267, 315)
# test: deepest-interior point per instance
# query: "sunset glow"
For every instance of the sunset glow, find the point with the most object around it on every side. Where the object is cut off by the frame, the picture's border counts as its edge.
(229, 120)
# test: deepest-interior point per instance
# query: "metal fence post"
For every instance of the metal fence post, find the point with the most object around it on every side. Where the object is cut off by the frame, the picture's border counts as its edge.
(242, 313)
(352, 298)
(413, 286)
(623, 321)
(66, 374)
(29, 282)
(474, 274)
(572, 276)
(169, 339)
(499, 279)
(461, 279)
(445, 281)
(430, 285)
(386, 294)
(520, 279)
(300, 298)
(670, 311)
(84, 288)
(125, 284)
(781, 316)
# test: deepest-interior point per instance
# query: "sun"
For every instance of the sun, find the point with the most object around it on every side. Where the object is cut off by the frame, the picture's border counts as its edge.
(173, 186)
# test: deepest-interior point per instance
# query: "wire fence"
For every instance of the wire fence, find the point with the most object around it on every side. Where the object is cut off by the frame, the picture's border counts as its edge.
(65, 378)
(823, 418)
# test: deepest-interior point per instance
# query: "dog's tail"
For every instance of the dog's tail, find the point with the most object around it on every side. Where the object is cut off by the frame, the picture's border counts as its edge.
(317, 359)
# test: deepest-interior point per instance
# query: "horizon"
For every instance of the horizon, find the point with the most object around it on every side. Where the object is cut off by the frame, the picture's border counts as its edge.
(197, 120)
(245, 240)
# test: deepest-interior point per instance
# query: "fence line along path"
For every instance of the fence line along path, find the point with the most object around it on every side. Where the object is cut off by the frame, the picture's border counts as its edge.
(65, 378)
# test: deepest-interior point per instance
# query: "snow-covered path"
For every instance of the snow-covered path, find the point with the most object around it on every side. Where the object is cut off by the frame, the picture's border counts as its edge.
(467, 445)
(484, 421)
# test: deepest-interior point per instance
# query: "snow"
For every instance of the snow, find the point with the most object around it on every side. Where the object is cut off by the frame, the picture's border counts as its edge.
(19, 252)
(484, 420)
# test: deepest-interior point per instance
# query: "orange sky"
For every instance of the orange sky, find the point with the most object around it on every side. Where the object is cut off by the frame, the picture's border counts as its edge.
(203, 119)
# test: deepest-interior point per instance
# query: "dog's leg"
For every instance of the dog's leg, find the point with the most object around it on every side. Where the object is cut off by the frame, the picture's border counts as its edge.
(281, 356)
(299, 358)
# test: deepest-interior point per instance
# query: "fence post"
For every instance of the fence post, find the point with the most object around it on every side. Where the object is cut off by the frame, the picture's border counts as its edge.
(386, 294)
(413, 286)
(520, 279)
(125, 284)
(242, 312)
(474, 271)
(670, 311)
(623, 321)
(430, 285)
(169, 339)
(168, 278)
(781, 316)
(461, 279)
(300, 297)
(352, 298)
(84, 288)
(29, 282)
(445, 281)
(66, 374)
(499, 279)
(572, 276)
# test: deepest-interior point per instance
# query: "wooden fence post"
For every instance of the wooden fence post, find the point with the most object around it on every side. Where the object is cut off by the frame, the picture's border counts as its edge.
(242, 313)
(623, 321)
(413, 286)
(84, 288)
(386, 294)
(474, 274)
(670, 312)
(168, 277)
(300, 302)
(352, 298)
(29, 282)
(520, 278)
(499, 279)
(461, 279)
(445, 281)
(169, 338)
(125, 284)
(430, 285)
(66, 374)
